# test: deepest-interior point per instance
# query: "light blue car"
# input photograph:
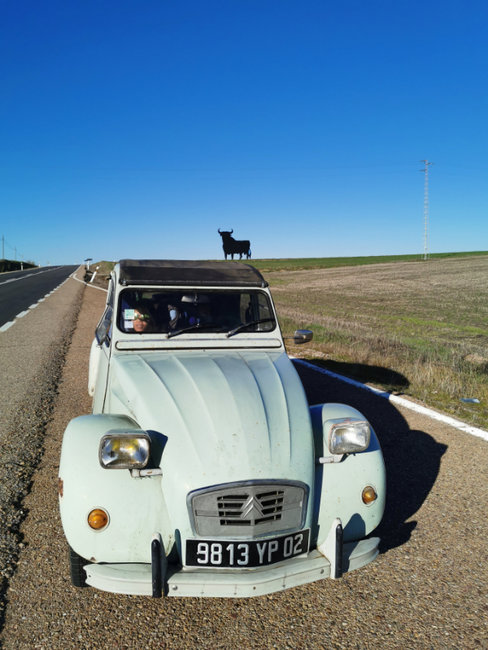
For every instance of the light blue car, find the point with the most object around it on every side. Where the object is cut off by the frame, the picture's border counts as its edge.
(203, 471)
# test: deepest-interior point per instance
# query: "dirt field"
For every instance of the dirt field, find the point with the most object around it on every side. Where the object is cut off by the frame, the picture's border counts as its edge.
(415, 328)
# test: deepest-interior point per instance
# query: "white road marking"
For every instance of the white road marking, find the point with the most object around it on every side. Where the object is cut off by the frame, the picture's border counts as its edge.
(28, 275)
(401, 401)
(6, 326)
(93, 286)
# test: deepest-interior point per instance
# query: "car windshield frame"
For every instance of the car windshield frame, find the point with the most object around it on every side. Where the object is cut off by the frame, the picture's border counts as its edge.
(171, 311)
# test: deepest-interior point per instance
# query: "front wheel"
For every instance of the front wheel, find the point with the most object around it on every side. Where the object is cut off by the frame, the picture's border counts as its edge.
(77, 572)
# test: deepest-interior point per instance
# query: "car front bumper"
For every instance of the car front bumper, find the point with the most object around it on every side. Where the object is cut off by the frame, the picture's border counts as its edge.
(137, 579)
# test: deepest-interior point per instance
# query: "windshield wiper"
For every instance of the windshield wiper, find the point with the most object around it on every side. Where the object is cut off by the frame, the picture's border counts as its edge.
(192, 328)
(243, 326)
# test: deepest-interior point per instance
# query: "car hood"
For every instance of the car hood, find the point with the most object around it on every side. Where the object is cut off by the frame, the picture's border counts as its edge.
(224, 416)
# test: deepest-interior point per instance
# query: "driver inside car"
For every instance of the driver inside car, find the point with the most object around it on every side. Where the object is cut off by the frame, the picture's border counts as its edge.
(137, 319)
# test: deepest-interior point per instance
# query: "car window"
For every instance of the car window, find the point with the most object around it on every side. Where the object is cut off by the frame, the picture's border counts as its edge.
(168, 311)
(103, 331)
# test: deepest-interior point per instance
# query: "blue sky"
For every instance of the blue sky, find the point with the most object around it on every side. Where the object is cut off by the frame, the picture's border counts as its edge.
(137, 129)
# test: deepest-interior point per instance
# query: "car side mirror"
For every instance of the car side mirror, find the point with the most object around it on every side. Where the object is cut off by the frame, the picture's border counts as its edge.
(302, 336)
(102, 333)
(101, 337)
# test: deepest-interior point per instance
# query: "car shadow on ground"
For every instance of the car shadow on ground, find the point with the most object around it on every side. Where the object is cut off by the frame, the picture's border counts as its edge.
(412, 458)
(390, 379)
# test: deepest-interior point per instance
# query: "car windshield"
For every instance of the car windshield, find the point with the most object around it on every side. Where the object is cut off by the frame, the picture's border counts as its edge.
(175, 312)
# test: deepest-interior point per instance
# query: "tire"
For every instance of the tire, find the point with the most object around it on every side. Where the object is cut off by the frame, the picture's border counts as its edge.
(77, 573)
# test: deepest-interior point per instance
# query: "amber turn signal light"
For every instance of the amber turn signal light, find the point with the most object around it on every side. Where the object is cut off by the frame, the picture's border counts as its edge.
(369, 495)
(98, 519)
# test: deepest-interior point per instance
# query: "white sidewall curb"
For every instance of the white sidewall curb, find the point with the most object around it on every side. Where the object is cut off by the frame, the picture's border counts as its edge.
(401, 401)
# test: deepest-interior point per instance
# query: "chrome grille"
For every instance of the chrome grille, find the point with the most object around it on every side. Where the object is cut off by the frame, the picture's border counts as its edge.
(248, 509)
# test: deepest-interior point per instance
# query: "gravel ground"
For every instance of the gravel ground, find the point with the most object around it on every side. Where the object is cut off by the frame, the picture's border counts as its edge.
(32, 354)
(427, 589)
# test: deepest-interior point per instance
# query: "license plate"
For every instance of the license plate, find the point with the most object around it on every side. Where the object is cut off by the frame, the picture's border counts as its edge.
(239, 554)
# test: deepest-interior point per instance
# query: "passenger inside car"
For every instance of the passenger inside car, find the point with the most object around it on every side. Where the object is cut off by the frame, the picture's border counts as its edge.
(172, 311)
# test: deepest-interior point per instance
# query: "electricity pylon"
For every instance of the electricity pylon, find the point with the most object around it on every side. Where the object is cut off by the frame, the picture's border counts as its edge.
(426, 207)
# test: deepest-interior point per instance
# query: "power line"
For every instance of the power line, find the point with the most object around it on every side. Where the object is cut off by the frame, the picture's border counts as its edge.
(12, 248)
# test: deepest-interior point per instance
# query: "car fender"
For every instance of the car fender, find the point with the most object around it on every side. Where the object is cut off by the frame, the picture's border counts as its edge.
(339, 485)
(135, 506)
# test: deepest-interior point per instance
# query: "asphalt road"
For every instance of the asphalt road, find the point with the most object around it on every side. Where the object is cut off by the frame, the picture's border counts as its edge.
(19, 290)
(427, 589)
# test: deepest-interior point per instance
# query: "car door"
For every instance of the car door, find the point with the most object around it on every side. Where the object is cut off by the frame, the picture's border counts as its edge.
(100, 354)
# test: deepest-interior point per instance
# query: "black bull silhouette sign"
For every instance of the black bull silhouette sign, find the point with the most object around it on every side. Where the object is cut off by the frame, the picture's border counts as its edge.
(233, 247)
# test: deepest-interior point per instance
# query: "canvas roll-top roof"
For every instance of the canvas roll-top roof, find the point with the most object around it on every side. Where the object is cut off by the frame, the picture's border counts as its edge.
(191, 273)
